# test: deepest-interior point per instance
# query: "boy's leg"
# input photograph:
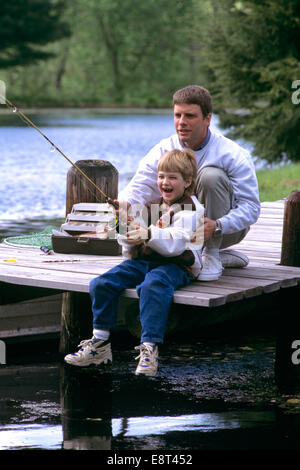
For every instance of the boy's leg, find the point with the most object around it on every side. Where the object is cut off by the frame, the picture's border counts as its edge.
(156, 295)
(104, 292)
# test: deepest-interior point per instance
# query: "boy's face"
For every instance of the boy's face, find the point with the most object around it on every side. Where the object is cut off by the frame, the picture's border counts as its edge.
(171, 185)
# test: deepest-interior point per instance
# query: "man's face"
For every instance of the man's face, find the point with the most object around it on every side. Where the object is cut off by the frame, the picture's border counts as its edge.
(190, 124)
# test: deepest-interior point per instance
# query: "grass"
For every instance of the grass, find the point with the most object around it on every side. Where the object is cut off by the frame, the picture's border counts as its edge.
(277, 183)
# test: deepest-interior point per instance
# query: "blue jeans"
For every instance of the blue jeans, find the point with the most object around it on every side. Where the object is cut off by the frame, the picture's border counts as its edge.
(155, 285)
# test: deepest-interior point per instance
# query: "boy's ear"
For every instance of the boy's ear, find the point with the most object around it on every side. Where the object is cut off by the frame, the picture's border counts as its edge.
(187, 183)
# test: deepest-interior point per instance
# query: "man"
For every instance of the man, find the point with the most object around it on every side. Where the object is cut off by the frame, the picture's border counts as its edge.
(226, 181)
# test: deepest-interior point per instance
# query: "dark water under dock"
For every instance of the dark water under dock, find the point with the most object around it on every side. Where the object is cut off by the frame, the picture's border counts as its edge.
(216, 393)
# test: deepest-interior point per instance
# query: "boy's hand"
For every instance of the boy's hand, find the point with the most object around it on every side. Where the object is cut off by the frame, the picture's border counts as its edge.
(165, 219)
(137, 235)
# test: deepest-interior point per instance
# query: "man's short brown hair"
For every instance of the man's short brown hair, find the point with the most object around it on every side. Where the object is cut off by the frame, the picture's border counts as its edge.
(194, 94)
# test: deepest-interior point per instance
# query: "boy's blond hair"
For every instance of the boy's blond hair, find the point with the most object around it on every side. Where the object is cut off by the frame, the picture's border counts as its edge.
(181, 161)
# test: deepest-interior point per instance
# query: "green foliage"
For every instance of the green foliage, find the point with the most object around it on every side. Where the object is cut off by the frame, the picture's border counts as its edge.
(253, 53)
(138, 52)
(25, 26)
(141, 39)
(277, 183)
(121, 52)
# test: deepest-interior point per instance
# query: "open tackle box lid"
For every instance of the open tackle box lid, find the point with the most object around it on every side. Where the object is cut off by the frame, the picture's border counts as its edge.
(90, 217)
(93, 207)
(90, 228)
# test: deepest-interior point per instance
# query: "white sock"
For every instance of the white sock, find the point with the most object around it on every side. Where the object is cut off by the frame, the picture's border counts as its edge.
(149, 344)
(101, 334)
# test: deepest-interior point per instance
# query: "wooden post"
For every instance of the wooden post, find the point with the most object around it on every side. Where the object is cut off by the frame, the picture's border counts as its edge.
(76, 316)
(290, 248)
(287, 361)
(101, 172)
(86, 409)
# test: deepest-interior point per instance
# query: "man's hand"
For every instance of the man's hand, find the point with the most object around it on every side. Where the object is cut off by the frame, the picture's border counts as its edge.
(209, 228)
(205, 231)
(137, 235)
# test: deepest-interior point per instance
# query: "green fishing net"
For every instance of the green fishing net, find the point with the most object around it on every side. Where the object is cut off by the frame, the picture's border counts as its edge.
(35, 239)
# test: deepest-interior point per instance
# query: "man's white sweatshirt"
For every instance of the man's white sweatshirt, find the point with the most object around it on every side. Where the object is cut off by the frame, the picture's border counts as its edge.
(219, 152)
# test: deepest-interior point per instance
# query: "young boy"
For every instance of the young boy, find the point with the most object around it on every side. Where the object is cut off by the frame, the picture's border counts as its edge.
(162, 258)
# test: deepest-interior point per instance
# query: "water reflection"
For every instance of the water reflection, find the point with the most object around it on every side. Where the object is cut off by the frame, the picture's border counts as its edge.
(30, 436)
(86, 409)
(54, 406)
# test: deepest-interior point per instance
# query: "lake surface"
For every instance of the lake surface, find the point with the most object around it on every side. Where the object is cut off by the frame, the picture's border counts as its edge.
(33, 176)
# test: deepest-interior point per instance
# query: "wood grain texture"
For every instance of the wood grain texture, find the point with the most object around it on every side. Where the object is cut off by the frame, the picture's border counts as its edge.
(72, 273)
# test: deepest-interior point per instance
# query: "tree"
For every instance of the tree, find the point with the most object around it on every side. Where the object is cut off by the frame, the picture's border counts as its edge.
(253, 54)
(124, 52)
(26, 26)
(143, 41)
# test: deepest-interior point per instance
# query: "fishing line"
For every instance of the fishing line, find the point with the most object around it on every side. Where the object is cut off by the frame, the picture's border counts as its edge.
(52, 149)
(53, 146)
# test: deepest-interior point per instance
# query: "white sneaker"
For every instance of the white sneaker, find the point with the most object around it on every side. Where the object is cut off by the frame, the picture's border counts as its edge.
(233, 259)
(212, 268)
(148, 360)
(90, 353)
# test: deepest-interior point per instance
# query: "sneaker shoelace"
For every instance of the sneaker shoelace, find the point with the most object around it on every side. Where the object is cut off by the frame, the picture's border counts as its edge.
(84, 344)
(145, 353)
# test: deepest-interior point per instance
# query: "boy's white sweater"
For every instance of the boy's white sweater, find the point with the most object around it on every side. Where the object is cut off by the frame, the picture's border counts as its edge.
(220, 152)
(175, 238)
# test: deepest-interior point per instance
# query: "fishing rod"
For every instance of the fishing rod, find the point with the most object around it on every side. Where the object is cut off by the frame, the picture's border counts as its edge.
(26, 119)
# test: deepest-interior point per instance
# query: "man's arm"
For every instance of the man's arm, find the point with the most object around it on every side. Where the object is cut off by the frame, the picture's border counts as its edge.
(143, 185)
(246, 204)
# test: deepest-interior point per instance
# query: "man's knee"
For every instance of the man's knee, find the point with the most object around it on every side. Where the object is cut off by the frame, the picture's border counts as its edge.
(210, 177)
(214, 190)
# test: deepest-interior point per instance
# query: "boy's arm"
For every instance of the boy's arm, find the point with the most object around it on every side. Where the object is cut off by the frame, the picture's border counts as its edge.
(174, 240)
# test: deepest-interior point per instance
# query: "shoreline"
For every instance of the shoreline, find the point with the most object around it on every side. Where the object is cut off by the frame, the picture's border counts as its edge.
(103, 110)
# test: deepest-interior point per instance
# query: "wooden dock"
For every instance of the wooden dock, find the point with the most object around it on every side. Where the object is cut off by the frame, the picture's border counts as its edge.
(27, 274)
(31, 267)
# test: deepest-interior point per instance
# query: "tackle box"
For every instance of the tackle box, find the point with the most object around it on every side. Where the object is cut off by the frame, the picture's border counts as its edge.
(89, 229)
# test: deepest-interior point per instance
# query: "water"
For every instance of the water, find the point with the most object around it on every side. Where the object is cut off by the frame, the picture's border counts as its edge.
(33, 176)
(33, 182)
(201, 399)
